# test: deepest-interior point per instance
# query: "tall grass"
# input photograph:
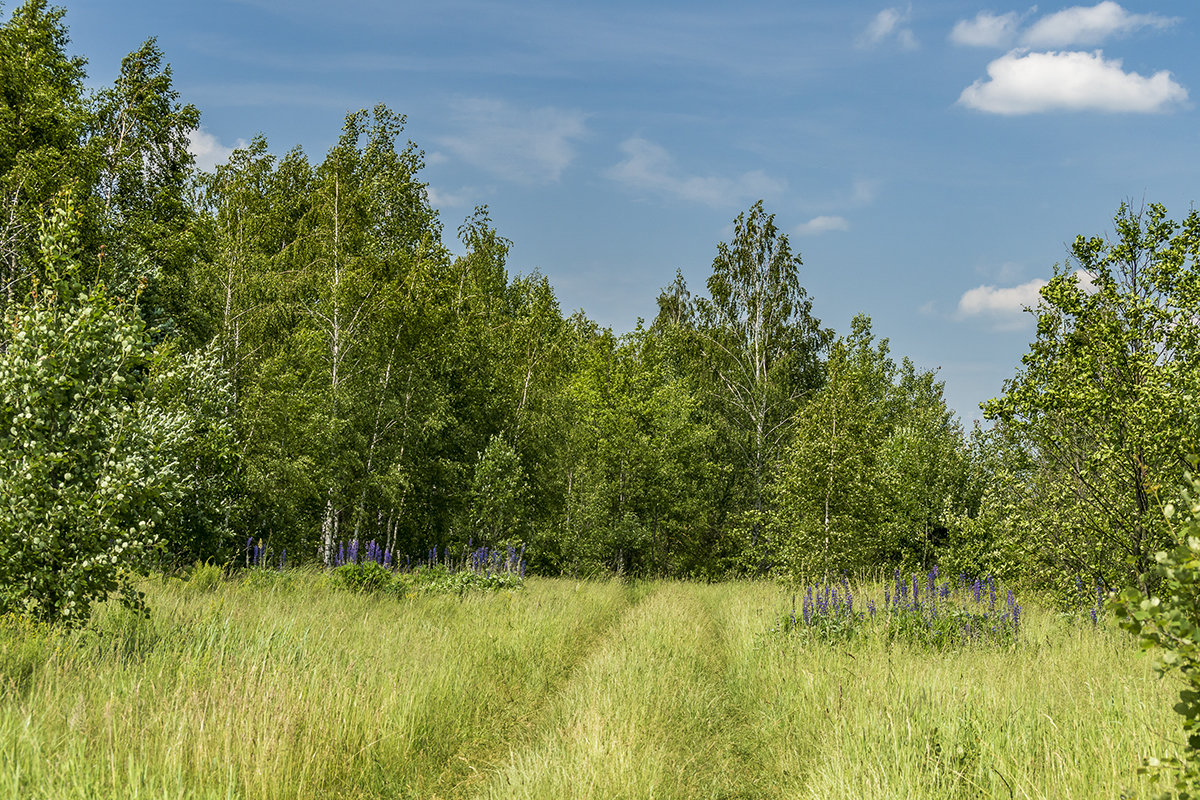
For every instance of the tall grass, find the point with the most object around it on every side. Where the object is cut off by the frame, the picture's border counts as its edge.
(283, 686)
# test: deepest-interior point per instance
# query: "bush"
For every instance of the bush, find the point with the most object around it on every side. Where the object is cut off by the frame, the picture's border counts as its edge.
(1166, 615)
(369, 577)
(206, 576)
(87, 468)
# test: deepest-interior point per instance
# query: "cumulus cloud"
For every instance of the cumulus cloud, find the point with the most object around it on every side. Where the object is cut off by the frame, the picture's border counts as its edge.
(1002, 307)
(1027, 83)
(649, 167)
(822, 224)
(523, 145)
(208, 150)
(891, 23)
(986, 30)
(1005, 307)
(1089, 25)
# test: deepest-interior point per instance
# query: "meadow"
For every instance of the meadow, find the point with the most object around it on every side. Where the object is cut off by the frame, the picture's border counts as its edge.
(284, 686)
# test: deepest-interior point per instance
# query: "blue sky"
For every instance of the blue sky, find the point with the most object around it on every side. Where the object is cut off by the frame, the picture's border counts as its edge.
(931, 161)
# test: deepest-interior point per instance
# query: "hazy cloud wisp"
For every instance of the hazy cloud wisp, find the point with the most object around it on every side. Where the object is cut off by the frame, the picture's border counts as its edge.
(822, 224)
(891, 23)
(649, 167)
(986, 30)
(1089, 25)
(524, 146)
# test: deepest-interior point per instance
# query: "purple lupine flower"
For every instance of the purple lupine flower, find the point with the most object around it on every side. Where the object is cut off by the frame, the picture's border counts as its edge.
(977, 588)
(282, 559)
(1094, 614)
(1016, 614)
(992, 591)
(887, 598)
(916, 592)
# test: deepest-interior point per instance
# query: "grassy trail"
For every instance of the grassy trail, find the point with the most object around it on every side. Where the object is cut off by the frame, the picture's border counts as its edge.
(563, 690)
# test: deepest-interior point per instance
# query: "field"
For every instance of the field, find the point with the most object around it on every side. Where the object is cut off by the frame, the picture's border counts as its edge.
(286, 687)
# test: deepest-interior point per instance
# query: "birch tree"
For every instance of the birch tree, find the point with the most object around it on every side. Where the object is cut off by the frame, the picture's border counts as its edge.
(759, 341)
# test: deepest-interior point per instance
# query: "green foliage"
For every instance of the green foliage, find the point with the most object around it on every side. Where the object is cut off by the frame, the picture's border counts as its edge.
(206, 576)
(442, 580)
(42, 123)
(1102, 403)
(138, 143)
(87, 466)
(193, 387)
(498, 494)
(1165, 616)
(760, 344)
(875, 469)
(369, 577)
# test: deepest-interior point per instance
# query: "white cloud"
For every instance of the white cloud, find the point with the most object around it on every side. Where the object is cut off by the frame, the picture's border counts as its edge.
(208, 151)
(986, 30)
(891, 23)
(522, 145)
(649, 167)
(1089, 25)
(1027, 83)
(822, 224)
(1003, 307)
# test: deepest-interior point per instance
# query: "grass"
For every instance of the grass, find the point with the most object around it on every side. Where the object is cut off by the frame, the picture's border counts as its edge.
(285, 687)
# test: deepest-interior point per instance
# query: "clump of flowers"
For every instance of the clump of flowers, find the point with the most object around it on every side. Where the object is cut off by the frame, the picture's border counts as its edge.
(918, 609)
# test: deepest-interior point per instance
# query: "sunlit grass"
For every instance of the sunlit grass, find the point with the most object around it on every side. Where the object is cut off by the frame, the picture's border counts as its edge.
(286, 687)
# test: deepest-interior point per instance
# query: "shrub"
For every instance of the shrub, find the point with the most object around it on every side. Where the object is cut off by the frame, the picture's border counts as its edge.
(206, 577)
(1166, 615)
(87, 467)
(369, 577)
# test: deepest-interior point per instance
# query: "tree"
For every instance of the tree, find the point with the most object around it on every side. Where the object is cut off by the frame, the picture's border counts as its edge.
(42, 124)
(827, 501)
(1103, 402)
(753, 349)
(87, 466)
(922, 472)
(498, 495)
(138, 138)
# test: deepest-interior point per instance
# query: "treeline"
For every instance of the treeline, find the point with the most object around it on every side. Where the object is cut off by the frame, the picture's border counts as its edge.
(311, 365)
